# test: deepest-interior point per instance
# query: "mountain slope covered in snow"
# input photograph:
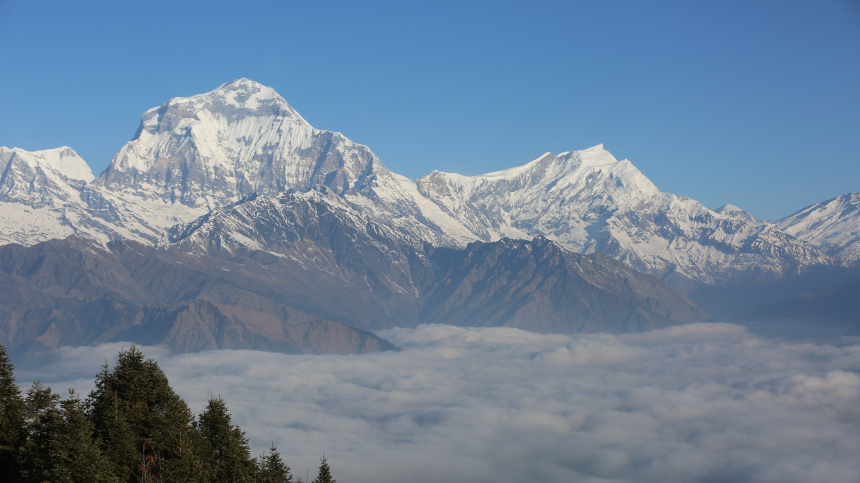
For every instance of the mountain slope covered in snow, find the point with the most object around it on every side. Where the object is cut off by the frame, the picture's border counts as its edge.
(196, 154)
(590, 202)
(344, 264)
(41, 198)
(833, 225)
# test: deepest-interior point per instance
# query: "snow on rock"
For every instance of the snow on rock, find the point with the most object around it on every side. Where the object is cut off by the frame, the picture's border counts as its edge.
(41, 177)
(40, 194)
(195, 154)
(241, 138)
(53, 194)
(833, 224)
(590, 202)
(733, 211)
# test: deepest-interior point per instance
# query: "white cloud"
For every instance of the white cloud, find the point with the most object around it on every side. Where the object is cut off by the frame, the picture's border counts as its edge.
(702, 402)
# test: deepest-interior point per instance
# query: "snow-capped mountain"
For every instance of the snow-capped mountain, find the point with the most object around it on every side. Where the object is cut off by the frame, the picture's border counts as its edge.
(195, 154)
(241, 138)
(340, 263)
(53, 194)
(40, 197)
(590, 202)
(833, 225)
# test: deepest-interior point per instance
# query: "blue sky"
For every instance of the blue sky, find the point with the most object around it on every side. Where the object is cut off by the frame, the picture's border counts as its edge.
(753, 103)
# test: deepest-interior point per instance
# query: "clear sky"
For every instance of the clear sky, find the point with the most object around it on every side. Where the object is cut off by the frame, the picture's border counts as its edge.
(754, 103)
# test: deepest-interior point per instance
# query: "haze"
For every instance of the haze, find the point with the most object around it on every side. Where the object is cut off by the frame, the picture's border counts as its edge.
(699, 402)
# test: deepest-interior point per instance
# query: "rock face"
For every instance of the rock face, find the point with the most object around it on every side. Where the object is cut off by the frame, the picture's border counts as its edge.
(273, 273)
(240, 139)
(538, 286)
(379, 277)
(40, 195)
(76, 292)
(197, 154)
(834, 225)
(590, 202)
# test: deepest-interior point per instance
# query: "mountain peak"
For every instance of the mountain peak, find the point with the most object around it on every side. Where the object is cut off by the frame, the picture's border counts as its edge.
(833, 224)
(63, 160)
(241, 94)
(728, 208)
(250, 90)
(243, 82)
(242, 137)
(565, 163)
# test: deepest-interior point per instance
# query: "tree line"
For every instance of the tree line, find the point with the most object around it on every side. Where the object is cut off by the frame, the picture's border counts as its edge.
(132, 428)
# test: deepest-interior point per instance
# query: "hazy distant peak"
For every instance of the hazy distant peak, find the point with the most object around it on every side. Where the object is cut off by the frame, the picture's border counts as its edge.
(730, 209)
(593, 156)
(833, 224)
(727, 208)
(63, 160)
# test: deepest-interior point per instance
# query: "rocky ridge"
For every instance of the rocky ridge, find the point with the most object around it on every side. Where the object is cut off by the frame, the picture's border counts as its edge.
(834, 225)
(78, 292)
(202, 153)
(260, 273)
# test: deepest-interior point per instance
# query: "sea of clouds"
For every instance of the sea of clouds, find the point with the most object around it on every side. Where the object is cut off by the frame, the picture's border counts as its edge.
(697, 403)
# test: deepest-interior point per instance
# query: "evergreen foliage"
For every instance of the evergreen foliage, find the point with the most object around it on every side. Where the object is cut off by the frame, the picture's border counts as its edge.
(142, 422)
(324, 475)
(271, 469)
(75, 456)
(132, 428)
(227, 451)
(12, 429)
(42, 421)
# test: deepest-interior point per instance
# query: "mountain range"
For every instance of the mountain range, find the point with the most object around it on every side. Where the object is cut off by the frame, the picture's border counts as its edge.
(237, 174)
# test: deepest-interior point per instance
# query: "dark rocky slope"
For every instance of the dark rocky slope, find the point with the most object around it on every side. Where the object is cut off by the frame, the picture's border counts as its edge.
(75, 292)
(392, 279)
(274, 273)
(538, 286)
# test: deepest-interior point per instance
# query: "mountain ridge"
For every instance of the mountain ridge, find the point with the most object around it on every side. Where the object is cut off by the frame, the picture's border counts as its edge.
(833, 224)
(247, 276)
(196, 154)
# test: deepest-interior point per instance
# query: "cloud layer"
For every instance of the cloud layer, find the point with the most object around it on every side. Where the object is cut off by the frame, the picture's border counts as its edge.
(702, 402)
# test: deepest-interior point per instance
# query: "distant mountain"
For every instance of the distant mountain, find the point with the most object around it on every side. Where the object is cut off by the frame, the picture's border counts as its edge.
(590, 202)
(40, 195)
(206, 151)
(537, 285)
(317, 253)
(77, 292)
(197, 154)
(834, 225)
(242, 138)
(53, 194)
(262, 273)
(359, 270)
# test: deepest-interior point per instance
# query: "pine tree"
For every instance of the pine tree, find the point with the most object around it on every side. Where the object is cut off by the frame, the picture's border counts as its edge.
(75, 455)
(143, 426)
(111, 427)
(271, 469)
(12, 429)
(226, 447)
(60, 447)
(43, 420)
(324, 475)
